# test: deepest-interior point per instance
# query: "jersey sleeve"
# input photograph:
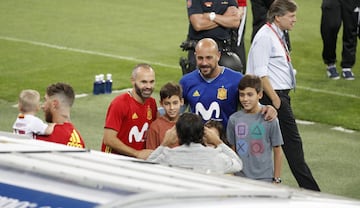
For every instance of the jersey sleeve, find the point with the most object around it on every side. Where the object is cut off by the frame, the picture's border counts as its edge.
(152, 138)
(115, 114)
(241, 3)
(276, 138)
(37, 126)
(194, 7)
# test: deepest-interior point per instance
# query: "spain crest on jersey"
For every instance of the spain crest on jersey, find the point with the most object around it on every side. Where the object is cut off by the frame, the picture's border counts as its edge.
(149, 113)
(222, 93)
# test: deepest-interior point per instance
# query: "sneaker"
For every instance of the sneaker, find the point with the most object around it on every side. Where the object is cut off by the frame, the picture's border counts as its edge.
(332, 73)
(348, 75)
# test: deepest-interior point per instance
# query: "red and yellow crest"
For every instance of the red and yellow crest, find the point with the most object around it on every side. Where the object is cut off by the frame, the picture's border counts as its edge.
(149, 113)
(222, 93)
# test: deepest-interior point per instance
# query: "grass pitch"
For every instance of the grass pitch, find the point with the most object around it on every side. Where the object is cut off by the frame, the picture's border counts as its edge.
(45, 41)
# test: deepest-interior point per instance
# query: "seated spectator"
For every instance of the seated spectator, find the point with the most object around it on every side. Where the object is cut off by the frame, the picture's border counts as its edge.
(192, 154)
(59, 99)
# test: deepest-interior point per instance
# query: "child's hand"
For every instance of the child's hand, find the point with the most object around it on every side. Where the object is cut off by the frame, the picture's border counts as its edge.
(170, 137)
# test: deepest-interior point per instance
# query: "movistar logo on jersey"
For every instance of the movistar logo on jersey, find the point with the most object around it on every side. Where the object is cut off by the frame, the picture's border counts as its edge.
(206, 113)
(136, 134)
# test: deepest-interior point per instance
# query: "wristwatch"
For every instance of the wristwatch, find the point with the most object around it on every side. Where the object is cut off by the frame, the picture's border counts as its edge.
(277, 180)
(212, 16)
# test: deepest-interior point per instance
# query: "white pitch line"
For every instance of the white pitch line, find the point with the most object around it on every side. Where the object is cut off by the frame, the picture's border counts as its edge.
(339, 128)
(144, 61)
(329, 92)
(86, 51)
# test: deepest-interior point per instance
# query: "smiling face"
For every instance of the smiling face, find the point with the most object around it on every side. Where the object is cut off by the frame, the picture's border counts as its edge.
(172, 107)
(143, 83)
(249, 100)
(207, 58)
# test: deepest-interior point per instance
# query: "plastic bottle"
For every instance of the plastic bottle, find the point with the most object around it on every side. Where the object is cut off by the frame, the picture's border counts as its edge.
(102, 84)
(97, 83)
(108, 84)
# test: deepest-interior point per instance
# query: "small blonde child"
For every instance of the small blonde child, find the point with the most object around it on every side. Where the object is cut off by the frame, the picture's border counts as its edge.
(26, 122)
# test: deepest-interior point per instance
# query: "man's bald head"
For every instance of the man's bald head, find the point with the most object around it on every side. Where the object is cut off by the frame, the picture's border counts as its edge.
(207, 43)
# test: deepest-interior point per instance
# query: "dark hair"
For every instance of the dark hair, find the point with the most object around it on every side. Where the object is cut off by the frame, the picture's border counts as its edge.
(170, 89)
(190, 128)
(219, 126)
(251, 81)
(280, 8)
(63, 90)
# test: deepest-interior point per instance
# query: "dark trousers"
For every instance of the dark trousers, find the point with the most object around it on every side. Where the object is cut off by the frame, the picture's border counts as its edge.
(239, 50)
(259, 10)
(335, 12)
(292, 146)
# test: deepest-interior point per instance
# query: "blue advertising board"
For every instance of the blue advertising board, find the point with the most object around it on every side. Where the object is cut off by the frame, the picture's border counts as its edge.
(20, 197)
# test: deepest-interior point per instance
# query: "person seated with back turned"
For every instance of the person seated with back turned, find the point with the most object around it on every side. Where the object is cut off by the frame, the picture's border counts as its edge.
(192, 154)
(59, 99)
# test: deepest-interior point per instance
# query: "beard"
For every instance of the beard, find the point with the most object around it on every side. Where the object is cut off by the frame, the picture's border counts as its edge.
(207, 70)
(143, 93)
(48, 116)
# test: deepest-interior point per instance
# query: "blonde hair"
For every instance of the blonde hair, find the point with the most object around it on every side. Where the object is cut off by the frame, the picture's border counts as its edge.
(29, 100)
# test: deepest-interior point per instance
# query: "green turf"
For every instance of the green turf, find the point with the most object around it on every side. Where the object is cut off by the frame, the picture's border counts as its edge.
(46, 41)
(135, 31)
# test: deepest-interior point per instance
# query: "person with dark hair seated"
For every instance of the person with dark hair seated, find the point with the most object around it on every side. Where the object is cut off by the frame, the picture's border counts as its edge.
(192, 154)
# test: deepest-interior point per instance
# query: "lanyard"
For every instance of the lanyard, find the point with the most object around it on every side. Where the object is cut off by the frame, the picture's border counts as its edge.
(282, 42)
(287, 53)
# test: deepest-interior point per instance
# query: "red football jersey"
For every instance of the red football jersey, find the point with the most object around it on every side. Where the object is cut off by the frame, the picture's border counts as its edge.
(130, 119)
(64, 134)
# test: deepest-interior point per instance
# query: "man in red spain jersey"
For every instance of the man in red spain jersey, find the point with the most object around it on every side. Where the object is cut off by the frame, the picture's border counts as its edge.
(59, 99)
(130, 115)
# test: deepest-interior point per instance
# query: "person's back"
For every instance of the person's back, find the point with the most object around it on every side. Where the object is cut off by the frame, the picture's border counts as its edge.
(196, 157)
(26, 122)
(192, 153)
